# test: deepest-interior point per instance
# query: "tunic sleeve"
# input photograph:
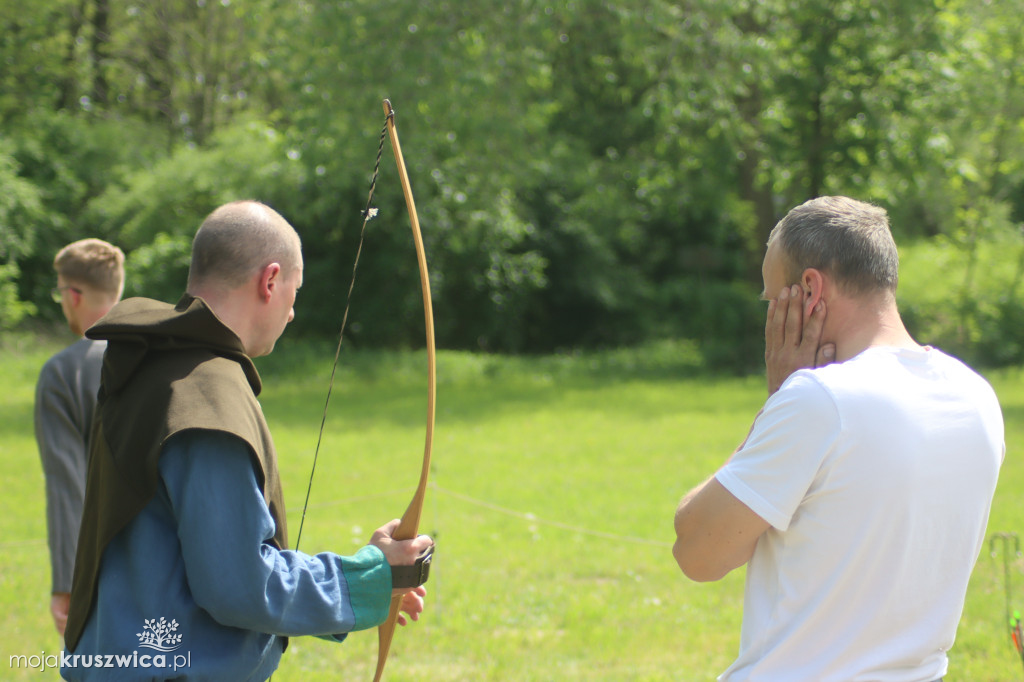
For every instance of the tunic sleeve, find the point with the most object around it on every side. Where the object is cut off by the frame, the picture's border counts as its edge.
(235, 574)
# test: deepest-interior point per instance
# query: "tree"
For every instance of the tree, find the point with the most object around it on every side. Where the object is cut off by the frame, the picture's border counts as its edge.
(20, 206)
(594, 173)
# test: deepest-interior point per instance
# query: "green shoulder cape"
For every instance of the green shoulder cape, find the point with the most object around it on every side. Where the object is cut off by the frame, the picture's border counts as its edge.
(167, 369)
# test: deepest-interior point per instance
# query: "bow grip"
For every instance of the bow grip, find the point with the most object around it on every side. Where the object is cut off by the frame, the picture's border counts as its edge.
(407, 577)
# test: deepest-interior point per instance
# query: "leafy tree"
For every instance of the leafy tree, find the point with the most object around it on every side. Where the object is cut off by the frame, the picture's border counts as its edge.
(587, 173)
(20, 208)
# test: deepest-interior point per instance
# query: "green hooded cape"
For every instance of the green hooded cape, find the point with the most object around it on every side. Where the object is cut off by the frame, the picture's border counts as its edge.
(167, 369)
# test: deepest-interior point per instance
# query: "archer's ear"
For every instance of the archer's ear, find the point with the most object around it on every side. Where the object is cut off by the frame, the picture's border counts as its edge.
(813, 284)
(269, 279)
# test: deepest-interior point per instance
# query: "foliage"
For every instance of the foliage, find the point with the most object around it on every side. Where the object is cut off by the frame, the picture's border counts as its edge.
(68, 161)
(156, 213)
(587, 174)
(12, 308)
(20, 208)
(967, 302)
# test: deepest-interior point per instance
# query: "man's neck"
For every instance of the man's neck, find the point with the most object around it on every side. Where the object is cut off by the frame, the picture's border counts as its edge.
(230, 308)
(866, 327)
(90, 316)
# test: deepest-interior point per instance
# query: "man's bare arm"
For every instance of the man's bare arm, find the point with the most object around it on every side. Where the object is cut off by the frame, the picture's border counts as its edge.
(715, 532)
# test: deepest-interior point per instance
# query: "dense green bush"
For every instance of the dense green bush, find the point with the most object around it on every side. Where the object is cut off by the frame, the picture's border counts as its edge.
(153, 213)
(966, 300)
(20, 209)
(588, 175)
(64, 162)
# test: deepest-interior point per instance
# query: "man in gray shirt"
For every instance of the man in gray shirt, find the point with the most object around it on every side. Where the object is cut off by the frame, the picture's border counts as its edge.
(90, 280)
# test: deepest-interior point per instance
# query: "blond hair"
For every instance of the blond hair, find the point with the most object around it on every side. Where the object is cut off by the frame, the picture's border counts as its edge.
(92, 263)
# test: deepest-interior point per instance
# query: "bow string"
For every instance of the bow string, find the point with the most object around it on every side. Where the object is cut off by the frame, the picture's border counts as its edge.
(408, 527)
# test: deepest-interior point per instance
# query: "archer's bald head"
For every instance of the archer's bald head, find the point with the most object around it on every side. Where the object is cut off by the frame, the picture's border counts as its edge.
(238, 240)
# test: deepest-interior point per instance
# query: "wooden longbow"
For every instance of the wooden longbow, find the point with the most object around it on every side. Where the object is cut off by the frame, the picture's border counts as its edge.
(409, 526)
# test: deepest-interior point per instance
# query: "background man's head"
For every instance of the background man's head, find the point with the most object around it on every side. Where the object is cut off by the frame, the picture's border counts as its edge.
(846, 239)
(90, 280)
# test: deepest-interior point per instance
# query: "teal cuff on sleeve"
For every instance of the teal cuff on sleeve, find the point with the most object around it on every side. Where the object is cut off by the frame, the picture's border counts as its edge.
(369, 586)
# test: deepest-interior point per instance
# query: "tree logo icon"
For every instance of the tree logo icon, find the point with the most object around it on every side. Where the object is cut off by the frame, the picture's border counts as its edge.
(159, 635)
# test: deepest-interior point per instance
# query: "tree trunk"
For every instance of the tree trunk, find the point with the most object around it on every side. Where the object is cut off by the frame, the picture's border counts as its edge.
(98, 51)
(68, 98)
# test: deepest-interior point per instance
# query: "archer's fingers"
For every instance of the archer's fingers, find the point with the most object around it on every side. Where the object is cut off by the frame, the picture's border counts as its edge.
(385, 533)
(412, 605)
(407, 552)
(421, 543)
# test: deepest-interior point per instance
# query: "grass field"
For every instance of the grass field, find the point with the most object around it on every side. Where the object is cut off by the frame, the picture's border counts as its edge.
(554, 484)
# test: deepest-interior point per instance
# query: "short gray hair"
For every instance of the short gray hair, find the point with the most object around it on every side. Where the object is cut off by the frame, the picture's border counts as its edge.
(237, 240)
(848, 239)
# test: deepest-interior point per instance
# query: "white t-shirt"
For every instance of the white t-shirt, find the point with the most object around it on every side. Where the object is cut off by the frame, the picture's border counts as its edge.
(877, 476)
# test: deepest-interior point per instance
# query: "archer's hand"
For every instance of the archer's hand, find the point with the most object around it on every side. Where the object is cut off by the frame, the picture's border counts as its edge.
(412, 603)
(792, 342)
(399, 552)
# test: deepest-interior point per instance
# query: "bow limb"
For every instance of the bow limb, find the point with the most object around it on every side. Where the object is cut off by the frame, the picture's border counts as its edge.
(409, 525)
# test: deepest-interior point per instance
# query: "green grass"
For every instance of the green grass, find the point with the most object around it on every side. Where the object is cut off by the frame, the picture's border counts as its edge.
(554, 484)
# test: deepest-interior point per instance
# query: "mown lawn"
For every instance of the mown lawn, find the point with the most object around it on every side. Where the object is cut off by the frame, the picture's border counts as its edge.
(554, 483)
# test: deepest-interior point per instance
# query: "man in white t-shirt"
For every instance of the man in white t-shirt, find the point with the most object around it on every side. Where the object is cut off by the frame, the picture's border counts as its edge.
(861, 495)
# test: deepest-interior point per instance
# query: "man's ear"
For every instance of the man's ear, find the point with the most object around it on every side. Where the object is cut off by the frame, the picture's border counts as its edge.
(813, 284)
(75, 296)
(269, 278)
